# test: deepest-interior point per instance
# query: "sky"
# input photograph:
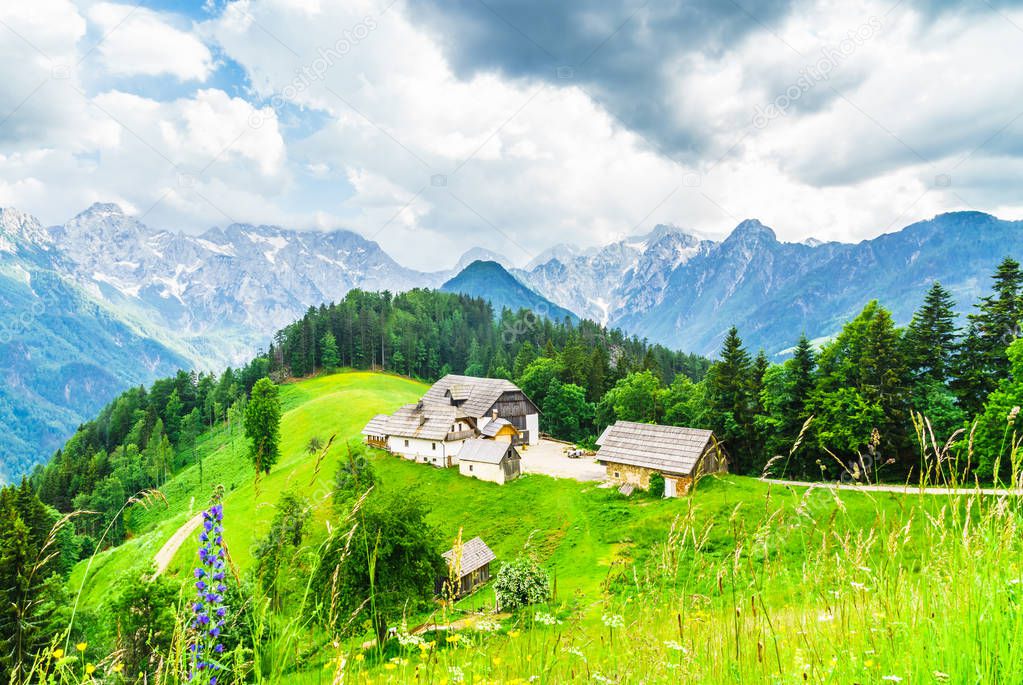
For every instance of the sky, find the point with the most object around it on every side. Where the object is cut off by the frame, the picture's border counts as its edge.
(438, 125)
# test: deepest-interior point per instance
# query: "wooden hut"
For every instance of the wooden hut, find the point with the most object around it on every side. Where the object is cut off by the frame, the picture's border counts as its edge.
(632, 452)
(468, 567)
(375, 431)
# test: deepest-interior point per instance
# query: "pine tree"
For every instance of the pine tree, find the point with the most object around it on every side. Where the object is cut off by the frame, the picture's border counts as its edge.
(931, 337)
(329, 358)
(981, 361)
(728, 384)
(263, 425)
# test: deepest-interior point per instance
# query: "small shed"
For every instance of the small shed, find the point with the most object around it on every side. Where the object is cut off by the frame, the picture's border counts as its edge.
(632, 452)
(376, 431)
(468, 566)
(495, 460)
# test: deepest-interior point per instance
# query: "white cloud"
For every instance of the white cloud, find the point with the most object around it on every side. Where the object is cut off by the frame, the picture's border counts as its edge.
(138, 41)
(431, 162)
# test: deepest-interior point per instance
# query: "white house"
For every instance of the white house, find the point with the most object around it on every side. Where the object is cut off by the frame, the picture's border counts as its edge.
(494, 460)
(486, 399)
(426, 433)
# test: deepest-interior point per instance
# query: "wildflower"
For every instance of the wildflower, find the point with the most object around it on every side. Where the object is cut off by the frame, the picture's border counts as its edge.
(546, 619)
(496, 660)
(81, 646)
(457, 675)
(675, 646)
(58, 653)
(209, 606)
(454, 638)
(360, 657)
(613, 621)
(389, 666)
(825, 617)
(892, 678)
(89, 669)
(118, 667)
(514, 633)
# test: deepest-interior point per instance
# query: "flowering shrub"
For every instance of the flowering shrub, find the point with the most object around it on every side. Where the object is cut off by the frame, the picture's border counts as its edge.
(209, 606)
(520, 583)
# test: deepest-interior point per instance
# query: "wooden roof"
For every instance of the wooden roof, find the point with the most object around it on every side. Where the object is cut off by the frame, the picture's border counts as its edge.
(479, 394)
(493, 427)
(424, 420)
(475, 555)
(377, 425)
(669, 449)
(483, 451)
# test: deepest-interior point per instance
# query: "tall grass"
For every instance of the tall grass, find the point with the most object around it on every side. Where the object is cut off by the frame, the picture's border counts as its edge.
(930, 592)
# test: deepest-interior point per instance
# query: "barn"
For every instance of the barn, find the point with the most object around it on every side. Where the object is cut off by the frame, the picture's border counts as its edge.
(494, 460)
(632, 452)
(468, 566)
(488, 399)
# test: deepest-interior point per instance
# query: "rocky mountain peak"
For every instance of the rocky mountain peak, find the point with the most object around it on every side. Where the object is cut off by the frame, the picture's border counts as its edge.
(752, 230)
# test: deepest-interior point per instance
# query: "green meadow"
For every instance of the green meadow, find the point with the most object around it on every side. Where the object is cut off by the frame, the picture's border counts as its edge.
(744, 581)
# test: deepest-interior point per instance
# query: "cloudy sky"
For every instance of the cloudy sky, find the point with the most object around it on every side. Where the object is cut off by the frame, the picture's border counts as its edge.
(436, 125)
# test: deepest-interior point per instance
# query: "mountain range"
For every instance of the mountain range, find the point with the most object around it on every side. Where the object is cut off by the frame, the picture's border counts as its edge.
(104, 301)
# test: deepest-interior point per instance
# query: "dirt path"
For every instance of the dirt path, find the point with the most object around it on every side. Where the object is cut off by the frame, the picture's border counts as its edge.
(899, 489)
(166, 554)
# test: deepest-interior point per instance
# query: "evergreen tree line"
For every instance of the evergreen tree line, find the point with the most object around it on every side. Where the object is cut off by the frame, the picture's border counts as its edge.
(853, 405)
(427, 334)
(137, 442)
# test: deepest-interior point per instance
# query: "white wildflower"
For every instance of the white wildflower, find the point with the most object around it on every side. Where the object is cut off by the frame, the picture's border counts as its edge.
(825, 617)
(613, 620)
(892, 678)
(457, 675)
(546, 619)
(487, 625)
(675, 646)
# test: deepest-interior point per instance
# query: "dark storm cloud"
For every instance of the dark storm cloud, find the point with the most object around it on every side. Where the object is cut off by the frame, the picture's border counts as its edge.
(617, 51)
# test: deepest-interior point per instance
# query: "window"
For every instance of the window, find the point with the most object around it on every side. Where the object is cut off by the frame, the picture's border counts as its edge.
(406, 443)
(452, 429)
(433, 445)
(470, 467)
(616, 474)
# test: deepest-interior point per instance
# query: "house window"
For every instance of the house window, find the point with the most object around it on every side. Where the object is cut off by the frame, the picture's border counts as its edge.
(470, 467)
(406, 443)
(433, 445)
(616, 474)
(452, 429)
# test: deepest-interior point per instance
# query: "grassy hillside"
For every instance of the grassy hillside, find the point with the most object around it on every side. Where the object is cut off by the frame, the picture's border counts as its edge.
(743, 582)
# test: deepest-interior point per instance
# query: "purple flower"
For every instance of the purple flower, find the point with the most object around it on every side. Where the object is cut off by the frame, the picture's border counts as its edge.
(209, 601)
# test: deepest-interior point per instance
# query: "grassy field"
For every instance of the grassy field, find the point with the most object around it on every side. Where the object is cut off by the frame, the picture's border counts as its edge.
(742, 582)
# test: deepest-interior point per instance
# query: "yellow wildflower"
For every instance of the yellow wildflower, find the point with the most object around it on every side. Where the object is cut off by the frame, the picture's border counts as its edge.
(389, 666)
(89, 669)
(454, 638)
(514, 633)
(360, 657)
(58, 653)
(118, 667)
(496, 660)
(81, 646)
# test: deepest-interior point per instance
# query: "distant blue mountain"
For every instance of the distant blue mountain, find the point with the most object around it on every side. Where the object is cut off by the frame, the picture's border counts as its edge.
(493, 283)
(774, 291)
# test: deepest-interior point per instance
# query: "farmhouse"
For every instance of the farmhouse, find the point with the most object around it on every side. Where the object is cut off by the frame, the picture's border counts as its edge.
(487, 399)
(468, 566)
(376, 431)
(632, 452)
(494, 460)
(424, 432)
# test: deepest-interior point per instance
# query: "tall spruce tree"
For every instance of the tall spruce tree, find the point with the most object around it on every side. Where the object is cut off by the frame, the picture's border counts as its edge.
(263, 425)
(930, 339)
(981, 361)
(729, 385)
